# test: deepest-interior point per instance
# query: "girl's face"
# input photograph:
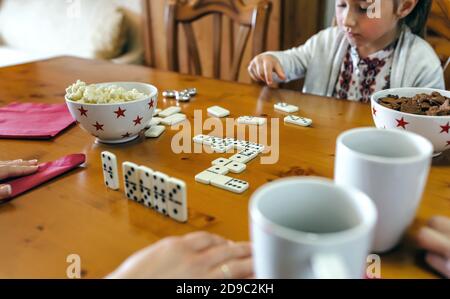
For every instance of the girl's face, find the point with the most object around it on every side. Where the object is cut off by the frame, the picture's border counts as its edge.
(361, 30)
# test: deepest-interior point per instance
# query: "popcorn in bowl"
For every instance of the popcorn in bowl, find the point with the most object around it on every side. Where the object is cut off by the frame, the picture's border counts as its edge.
(97, 94)
(113, 112)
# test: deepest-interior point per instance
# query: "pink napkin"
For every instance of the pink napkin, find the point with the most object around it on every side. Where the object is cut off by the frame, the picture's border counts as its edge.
(34, 120)
(46, 172)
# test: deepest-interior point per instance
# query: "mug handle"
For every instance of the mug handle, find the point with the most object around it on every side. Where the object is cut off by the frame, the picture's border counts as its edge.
(329, 266)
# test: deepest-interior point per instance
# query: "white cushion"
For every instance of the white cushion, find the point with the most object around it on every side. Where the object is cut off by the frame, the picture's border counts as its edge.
(85, 28)
(10, 56)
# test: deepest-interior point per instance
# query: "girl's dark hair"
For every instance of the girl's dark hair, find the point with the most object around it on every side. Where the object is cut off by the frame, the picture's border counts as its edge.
(417, 19)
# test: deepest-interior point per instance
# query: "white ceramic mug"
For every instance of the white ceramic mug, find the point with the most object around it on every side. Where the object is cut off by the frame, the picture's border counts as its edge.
(310, 228)
(391, 167)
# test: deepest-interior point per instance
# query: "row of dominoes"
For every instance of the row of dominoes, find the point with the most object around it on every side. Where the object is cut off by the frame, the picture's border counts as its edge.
(224, 145)
(217, 174)
(168, 117)
(150, 188)
(292, 119)
(220, 112)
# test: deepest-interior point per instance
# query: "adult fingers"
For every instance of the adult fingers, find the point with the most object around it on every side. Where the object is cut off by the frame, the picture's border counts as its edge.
(8, 171)
(20, 162)
(440, 264)
(241, 269)
(27, 163)
(434, 241)
(10, 162)
(5, 192)
(200, 241)
(441, 224)
(227, 252)
(235, 269)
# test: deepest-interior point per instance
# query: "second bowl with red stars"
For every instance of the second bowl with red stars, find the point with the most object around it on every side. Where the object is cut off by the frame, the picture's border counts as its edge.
(423, 111)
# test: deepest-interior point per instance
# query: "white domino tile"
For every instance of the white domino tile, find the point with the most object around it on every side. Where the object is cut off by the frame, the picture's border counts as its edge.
(255, 146)
(160, 187)
(177, 200)
(173, 119)
(221, 161)
(131, 181)
(298, 121)
(217, 169)
(245, 156)
(155, 131)
(250, 153)
(110, 171)
(205, 177)
(146, 186)
(250, 120)
(221, 148)
(217, 111)
(241, 158)
(169, 111)
(230, 184)
(201, 139)
(284, 107)
(156, 112)
(236, 167)
(154, 122)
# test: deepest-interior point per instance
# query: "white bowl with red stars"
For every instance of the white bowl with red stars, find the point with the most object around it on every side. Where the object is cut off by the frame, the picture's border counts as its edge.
(115, 123)
(434, 128)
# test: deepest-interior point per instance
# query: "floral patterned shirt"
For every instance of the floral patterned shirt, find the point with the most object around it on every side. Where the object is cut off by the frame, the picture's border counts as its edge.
(360, 77)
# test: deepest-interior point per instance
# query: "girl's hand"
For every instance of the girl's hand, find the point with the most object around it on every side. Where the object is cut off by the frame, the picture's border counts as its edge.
(263, 66)
(435, 238)
(11, 169)
(199, 255)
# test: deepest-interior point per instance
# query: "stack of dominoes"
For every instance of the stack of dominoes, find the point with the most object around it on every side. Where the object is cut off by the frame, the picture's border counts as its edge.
(168, 117)
(150, 188)
(217, 174)
(180, 96)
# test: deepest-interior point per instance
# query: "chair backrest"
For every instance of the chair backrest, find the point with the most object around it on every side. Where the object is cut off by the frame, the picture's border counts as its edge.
(147, 30)
(251, 18)
(439, 33)
(439, 19)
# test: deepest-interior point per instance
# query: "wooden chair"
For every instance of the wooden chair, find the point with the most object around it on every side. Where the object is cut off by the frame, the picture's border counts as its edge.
(438, 33)
(147, 30)
(251, 18)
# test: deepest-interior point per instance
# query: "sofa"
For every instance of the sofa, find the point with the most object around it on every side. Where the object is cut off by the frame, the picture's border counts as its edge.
(97, 29)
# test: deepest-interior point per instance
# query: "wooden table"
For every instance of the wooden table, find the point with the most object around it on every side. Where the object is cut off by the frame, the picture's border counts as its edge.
(76, 214)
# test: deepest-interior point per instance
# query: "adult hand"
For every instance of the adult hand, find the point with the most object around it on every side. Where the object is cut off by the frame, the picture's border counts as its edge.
(199, 255)
(435, 238)
(12, 169)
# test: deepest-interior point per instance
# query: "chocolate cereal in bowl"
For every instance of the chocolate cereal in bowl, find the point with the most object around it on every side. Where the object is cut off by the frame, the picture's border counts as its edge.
(113, 112)
(420, 110)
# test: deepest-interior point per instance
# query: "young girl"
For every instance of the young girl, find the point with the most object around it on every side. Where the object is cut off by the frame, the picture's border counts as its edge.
(362, 55)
